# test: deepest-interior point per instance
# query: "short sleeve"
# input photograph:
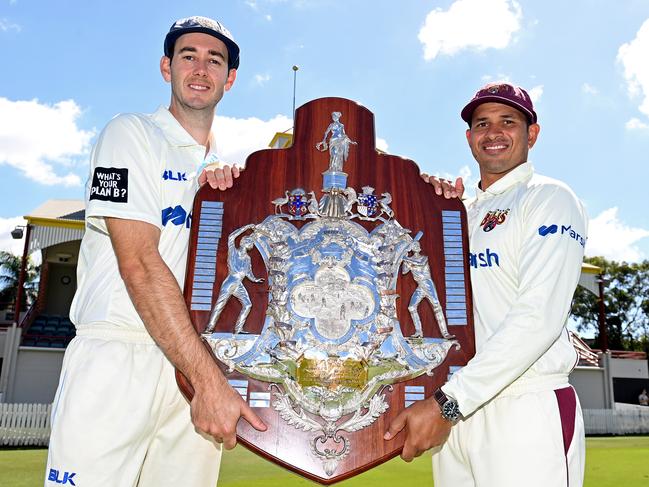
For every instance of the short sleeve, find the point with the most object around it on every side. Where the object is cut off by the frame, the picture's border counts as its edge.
(124, 179)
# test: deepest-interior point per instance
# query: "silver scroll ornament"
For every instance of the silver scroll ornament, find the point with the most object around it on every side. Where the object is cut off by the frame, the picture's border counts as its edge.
(331, 341)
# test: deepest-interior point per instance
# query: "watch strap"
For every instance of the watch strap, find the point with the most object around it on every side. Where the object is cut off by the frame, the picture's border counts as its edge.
(448, 407)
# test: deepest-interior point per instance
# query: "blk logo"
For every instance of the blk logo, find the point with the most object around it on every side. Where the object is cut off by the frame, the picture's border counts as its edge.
(543, 230)
(65, 477)
(176, 215)
(169, 175)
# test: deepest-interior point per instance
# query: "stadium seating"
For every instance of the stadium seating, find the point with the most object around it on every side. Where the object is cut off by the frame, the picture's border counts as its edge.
(51, 331)
(40, 320)
(53, 320)
(36, 329)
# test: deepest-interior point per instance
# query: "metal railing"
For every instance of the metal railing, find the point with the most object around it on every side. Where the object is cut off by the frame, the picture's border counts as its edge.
(586, 355)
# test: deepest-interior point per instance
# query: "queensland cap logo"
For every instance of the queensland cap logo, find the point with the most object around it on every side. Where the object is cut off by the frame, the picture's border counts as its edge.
(493, 218)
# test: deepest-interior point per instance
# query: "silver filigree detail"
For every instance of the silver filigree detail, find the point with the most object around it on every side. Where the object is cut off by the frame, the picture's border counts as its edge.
(331, 302)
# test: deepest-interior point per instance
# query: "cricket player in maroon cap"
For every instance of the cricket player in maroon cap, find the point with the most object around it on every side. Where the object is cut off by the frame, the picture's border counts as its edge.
(509, 417)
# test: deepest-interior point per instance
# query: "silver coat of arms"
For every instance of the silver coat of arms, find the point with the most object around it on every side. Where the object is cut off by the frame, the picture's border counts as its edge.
(331, 341)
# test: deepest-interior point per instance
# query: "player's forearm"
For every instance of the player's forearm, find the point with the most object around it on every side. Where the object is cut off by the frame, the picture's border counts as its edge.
(159, 302)
(158, 299)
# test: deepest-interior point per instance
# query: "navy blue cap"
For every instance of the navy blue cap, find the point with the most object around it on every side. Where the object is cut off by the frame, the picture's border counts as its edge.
(205, 26)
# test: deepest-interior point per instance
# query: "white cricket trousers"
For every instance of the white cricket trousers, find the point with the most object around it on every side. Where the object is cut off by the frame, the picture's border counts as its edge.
(535, 439)
(119, 420)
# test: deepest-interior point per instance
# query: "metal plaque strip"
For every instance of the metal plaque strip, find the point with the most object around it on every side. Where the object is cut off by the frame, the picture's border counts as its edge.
(210, 225)
(455, 260)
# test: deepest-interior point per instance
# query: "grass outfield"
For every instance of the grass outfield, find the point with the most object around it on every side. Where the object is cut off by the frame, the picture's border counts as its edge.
(610, 462)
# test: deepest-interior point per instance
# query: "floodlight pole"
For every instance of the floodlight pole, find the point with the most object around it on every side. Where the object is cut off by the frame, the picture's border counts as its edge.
(295, 69)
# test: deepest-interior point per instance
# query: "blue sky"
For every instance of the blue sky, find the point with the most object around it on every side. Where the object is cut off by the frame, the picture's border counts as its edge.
(69, 66)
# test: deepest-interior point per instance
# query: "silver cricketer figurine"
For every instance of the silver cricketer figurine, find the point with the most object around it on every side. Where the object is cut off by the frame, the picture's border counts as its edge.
(417, 264)
(239, 267)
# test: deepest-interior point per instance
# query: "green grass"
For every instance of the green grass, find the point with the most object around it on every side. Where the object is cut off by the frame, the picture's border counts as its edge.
(617, 462)
(610, 462)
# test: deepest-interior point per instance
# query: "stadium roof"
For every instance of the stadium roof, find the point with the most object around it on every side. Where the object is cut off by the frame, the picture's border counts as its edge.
(59, 209)
(55, 222)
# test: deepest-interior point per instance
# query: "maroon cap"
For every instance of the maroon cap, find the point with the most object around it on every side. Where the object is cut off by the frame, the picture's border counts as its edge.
(514, 96)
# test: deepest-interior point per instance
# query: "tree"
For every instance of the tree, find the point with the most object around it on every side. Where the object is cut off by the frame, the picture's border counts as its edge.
(9, 275)
(626, 300)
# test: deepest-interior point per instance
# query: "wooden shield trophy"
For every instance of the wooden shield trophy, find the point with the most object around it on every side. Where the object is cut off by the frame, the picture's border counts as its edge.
(331, 284)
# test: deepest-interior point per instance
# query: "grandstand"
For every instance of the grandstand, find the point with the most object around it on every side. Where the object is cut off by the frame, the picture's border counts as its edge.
(31, 347)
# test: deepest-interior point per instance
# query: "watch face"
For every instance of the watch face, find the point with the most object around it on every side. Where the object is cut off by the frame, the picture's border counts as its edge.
(450, 410)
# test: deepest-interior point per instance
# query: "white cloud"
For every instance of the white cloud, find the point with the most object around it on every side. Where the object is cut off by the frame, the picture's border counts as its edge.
(381, 144)
(261, 79)
(470, 24)
(633, 56)
(6, 25)
(611, 238)
(37, 137)
(237, 138)
(468, 179)
(535, 93)
(589, 89)
(7, 243)
(501, 78)
(636, 124)
(269, 17)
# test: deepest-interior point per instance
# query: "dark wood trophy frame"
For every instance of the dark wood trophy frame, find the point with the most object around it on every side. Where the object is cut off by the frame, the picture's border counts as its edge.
(268, 174)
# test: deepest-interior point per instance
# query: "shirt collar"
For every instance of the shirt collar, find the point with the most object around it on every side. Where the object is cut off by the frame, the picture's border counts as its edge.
(174, 132)
(519, 173)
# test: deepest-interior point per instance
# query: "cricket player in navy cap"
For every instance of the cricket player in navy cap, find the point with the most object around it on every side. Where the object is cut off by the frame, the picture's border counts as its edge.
(118, 418)
(509, 417)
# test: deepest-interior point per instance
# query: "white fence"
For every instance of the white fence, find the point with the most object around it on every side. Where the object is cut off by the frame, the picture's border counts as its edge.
(29, 424)
(616, 422)
(24, 424)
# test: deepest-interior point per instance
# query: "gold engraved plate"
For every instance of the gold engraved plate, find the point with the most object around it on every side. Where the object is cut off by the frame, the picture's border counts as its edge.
(332, 373)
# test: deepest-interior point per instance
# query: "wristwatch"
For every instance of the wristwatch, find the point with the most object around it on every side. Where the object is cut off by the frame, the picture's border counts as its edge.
(449, 406)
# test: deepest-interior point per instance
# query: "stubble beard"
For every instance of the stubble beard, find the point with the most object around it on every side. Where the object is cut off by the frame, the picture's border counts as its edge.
(199, 111)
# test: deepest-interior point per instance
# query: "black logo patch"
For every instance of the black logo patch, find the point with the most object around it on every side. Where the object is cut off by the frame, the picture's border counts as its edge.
(110, 184)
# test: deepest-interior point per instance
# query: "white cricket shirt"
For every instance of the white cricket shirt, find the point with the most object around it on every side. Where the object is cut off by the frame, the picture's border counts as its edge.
(526, 236)
(143, 167)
